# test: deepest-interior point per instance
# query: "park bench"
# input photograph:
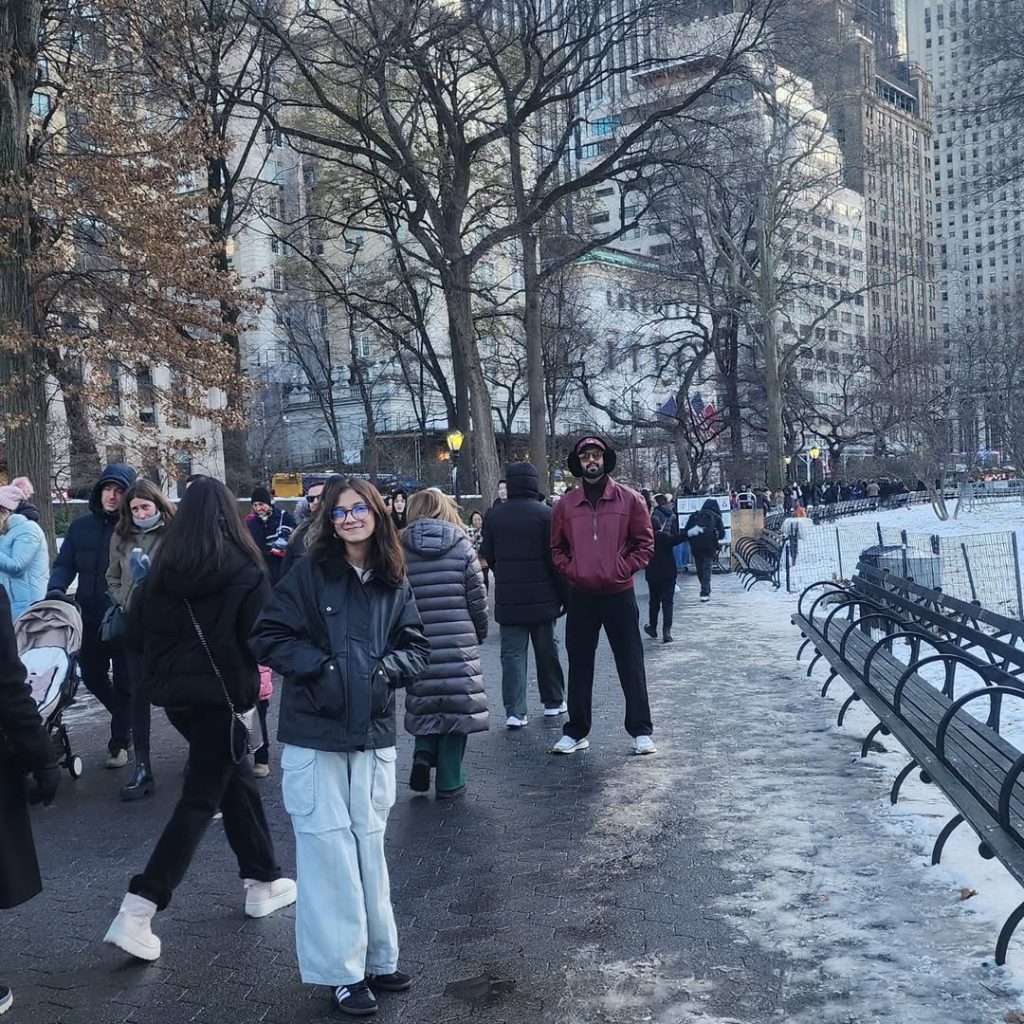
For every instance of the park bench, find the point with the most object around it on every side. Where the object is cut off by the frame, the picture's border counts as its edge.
(758, 559)
(923, 684)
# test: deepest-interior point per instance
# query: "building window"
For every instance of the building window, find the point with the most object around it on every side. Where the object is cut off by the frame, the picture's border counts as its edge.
(145, 392)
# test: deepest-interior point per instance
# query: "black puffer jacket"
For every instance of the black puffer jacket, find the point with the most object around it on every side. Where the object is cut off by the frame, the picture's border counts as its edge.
(226, 600)
(85, 552)
(709, 518)
(445, 577)
(517, 546)
(342, 647)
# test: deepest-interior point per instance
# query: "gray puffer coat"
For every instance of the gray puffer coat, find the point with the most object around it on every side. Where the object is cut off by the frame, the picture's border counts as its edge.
(449, 588)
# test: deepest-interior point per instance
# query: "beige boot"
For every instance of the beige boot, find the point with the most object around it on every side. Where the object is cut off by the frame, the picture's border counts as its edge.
(131, 931)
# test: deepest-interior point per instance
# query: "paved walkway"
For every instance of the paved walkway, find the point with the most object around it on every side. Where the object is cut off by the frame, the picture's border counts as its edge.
(742, 874)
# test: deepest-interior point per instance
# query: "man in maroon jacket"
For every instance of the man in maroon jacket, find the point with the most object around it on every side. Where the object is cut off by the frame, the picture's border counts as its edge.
(601, 535)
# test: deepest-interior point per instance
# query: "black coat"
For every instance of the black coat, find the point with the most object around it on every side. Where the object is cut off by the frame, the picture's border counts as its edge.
(296, 547)
(450, 696)
(709, 518)
(24, 746)
(227, 602)
(342, 647)
(271, 536)
(662, 565)
(85, 552)
(517, 547)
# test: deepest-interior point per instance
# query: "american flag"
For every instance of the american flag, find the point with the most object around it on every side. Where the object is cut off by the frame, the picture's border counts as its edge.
(703, 415)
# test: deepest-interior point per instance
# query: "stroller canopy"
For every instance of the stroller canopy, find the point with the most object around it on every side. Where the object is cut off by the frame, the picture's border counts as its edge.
(49, 624)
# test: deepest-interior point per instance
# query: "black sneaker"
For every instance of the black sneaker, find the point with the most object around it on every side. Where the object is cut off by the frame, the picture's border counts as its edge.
(667, 638)
(396, 981)
(356, 1000)
(651, 631)
(419, 777)
(7, 998)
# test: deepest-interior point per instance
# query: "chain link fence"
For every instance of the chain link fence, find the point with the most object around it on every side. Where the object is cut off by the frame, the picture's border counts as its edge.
(978, 567)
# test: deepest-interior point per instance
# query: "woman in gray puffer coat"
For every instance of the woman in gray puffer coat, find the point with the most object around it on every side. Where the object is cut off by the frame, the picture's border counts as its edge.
(448, 701)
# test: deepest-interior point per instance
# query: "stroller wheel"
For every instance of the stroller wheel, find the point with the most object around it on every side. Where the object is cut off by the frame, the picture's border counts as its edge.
(75, 767)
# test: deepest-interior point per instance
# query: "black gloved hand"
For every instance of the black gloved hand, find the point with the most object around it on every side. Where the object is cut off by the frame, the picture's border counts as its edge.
(44, 787)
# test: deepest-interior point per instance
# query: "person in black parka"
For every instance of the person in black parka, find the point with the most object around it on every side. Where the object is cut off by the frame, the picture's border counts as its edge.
(529, 595)
(271, 529)
(85, 554)
(705, 531)
(24, 747)
(661, 577)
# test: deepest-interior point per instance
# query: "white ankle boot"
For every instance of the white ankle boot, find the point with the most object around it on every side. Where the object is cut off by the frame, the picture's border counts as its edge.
(131, 931)
(262, 898)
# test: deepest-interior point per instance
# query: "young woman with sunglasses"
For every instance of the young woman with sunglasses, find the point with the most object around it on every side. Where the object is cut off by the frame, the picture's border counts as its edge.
(344, 632)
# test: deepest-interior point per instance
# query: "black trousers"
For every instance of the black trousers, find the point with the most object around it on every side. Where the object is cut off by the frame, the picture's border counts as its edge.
(662, 596)
(704, 563)
(141, 710)
(262, 753)
(212, 781)
(620, 617)
(105, 676)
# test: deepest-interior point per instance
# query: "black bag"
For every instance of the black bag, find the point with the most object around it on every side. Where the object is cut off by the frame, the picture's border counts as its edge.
(240, 729)
(114, 625)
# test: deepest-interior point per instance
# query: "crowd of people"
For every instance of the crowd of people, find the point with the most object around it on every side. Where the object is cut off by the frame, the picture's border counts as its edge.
(195, 609)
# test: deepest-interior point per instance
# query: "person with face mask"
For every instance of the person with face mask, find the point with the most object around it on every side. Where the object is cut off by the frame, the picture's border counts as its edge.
(85, 554)
(144, 515)
(24, 559)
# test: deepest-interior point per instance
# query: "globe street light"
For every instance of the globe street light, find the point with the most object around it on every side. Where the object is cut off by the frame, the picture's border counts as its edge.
(454, 439)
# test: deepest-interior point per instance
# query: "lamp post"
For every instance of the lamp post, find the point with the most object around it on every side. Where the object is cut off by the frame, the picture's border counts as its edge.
(787, 460)
(454, 439)
(814, 453)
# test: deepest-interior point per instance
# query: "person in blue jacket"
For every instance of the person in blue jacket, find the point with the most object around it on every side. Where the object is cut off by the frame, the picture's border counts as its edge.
(24, 557)
(85, 553)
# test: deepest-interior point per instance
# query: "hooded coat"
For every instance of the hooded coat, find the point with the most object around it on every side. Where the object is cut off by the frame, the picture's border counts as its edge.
(24, 563)
(227, 600)
(443, 571)
(85, 552)
(709, 518)
(517, 546)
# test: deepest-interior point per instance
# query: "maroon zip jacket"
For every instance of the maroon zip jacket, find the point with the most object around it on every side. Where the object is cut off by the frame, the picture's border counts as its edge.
(599, 549)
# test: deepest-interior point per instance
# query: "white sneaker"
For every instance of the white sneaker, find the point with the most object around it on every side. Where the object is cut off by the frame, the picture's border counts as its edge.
(515, 722)
(705, 600)
(644, 745)
(6, 998)
(116, 759)
(131, 930)
(567, 745)
(555, 712)
(263, 898)
(261, 771)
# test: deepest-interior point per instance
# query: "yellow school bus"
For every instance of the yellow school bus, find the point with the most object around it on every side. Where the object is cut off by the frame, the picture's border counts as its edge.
(286, 485)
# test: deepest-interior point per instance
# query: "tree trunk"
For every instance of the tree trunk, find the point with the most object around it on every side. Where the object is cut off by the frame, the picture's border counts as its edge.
(372, 446)
(85, 466)
(732, 392)
(770, 351)
(22, 364)
(535, 360)
(458, 300)
(238, 471)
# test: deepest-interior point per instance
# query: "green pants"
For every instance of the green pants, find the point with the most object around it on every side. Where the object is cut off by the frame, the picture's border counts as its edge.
(446, 752)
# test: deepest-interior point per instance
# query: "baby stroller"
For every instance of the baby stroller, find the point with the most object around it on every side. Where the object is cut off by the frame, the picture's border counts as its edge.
(49, 635)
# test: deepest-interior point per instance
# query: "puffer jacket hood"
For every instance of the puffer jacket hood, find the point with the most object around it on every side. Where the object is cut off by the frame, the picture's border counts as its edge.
(711, 506)
(431, 538)
(522, 480)
(116, 473)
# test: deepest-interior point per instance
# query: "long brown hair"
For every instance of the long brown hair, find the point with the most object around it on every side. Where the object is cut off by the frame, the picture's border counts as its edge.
(148, 491)
(386, 557)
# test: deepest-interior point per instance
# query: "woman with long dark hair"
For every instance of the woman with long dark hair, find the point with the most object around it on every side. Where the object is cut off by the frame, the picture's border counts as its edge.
(343, 630)
(141, 525)
(206, 588)
(398, 513)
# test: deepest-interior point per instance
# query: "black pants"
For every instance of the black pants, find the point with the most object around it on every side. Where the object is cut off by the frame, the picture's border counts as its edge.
(105, 676)
(704, 563)
(262, 753)
(141, 710)
(212, 781)
(662, 596)
(620, 617)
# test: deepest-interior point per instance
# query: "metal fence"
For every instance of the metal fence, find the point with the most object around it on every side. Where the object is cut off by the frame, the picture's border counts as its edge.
(979, 567)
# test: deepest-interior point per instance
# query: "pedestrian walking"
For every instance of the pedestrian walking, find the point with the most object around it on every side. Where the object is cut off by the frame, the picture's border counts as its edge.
(343, 630)
(143, 518)
(205, 590)
(85, 555)
(24, 557)
(448, 701)
(600, 536)
(529, 594)
(25, 749)
(705, 530)
(661, 578)
(270, 528)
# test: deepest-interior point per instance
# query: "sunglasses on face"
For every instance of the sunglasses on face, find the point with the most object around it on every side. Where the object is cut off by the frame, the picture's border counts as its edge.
(357, 512)
(313, 499)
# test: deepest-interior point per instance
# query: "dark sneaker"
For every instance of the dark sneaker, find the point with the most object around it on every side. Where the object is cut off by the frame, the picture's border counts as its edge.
(396, 981)
(667, 638)
(6, 998)
(355, 1000)
(651, 631)
(451, 794)
(419, 777)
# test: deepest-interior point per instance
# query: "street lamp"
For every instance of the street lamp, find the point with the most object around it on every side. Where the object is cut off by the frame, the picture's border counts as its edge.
(787, 459)
(815, 452)
(454, 439)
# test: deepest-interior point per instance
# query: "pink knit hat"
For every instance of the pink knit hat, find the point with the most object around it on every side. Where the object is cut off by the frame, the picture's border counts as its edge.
(11, 497)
